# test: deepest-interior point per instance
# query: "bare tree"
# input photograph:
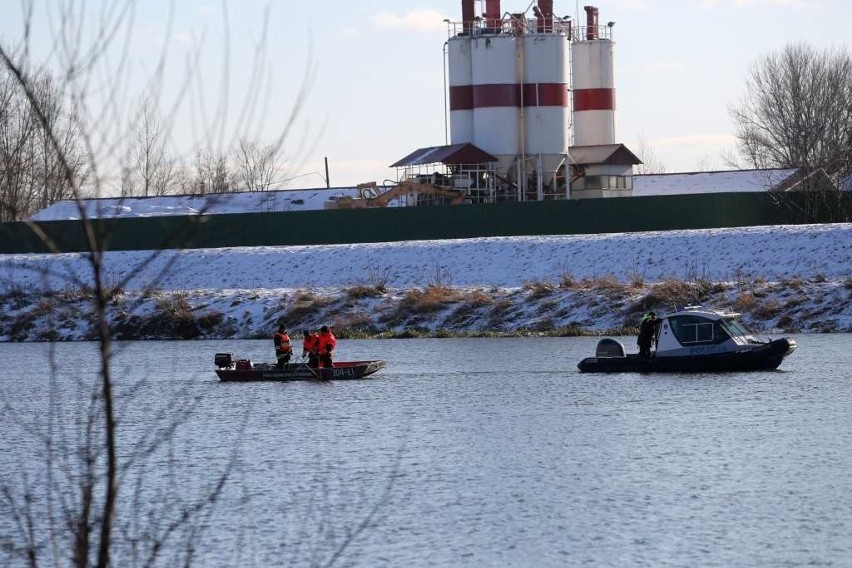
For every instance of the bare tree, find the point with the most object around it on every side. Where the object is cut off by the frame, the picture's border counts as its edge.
(651, 164)
(258, 165)
(153, 171)
(92, 488)
(30, 167)
(211, 174)
(797, 111)
(91, 501)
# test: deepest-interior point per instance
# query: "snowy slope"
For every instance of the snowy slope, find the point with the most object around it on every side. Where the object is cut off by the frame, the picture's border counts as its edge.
(785, 277)
(719, 254)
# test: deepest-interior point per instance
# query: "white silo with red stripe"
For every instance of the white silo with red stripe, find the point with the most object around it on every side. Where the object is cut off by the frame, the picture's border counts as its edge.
(460, 78)
(545, 98)
(593, 86)
(508, 88)
(496, 96)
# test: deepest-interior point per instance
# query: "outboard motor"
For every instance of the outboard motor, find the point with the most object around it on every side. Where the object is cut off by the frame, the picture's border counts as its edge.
(609, 348)
(223, 360)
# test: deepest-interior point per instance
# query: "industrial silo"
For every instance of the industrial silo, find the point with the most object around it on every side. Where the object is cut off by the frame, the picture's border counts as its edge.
(460, 76)
(545, 102)
(593, 83)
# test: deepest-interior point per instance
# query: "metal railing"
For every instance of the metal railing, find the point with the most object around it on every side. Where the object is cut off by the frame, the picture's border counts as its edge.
(513, 26)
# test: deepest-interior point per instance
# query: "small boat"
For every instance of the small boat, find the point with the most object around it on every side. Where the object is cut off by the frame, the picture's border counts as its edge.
(243, 370)
(694, 340)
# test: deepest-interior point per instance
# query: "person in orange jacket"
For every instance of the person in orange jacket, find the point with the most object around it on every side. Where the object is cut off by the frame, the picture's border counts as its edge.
(282, 346)
(310, 348)
(327, 343)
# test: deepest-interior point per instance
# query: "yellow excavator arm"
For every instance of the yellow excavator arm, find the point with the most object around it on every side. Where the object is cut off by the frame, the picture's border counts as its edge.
(369, 195)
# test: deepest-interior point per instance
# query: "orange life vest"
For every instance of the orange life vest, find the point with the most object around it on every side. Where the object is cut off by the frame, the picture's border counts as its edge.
(310, 344)
(327, 341)
(282, 343)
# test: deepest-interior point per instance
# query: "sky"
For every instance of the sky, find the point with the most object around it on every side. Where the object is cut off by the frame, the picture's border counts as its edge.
(367, 77)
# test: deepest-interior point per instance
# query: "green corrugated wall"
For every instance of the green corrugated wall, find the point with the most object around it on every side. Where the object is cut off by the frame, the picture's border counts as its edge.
(585, 216)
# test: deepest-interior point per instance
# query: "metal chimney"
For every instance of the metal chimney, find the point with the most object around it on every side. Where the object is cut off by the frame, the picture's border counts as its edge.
(493, 15)
(591, 22)
(468, 14)
(545, 22)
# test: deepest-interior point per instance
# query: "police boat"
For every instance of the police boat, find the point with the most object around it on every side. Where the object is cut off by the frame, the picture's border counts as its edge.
(694, 339)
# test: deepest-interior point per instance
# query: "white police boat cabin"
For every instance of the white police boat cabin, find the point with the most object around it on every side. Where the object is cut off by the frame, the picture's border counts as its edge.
(694, 339)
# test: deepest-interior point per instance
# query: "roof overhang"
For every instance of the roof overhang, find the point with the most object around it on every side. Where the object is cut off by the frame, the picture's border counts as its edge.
(607, 155)
(453, 154)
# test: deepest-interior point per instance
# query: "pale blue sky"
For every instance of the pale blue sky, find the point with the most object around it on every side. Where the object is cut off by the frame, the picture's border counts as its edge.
(376, 87)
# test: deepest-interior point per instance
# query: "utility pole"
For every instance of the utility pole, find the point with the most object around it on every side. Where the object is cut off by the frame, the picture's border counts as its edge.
(327, 180)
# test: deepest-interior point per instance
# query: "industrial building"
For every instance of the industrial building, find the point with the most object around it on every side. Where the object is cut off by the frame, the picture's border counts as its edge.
(532, 95)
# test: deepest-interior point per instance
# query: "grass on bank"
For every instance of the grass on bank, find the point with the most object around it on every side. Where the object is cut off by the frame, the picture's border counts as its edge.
(571, 307)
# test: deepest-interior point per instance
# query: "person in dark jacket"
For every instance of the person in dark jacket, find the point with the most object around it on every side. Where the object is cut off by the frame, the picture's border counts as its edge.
(647, 333)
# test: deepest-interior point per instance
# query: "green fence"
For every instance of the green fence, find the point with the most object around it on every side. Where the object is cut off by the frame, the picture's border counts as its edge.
(585, 216)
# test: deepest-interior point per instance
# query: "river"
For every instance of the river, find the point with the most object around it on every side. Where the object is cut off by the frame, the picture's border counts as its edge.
(479, 452)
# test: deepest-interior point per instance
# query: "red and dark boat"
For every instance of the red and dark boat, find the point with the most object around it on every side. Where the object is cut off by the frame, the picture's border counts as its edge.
(243, 370)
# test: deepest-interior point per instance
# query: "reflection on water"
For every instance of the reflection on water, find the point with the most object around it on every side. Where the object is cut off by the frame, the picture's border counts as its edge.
(494, 452)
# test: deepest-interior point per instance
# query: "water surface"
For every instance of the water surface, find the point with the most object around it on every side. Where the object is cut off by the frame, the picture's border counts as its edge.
(490, 452)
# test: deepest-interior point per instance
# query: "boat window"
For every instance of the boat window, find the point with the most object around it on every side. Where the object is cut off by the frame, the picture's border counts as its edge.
(735, 328)
(690, 330)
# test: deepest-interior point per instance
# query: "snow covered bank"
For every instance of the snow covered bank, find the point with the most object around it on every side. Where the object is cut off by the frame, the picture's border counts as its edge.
(771, 253)
(790, 277)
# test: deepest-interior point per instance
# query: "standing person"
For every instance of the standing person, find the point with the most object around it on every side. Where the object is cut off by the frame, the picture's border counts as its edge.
(282, 346)
(327, 343)
(310, 348)
(647, 332)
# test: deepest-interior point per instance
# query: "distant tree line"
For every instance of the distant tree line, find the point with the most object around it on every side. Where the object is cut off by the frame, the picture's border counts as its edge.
(32, 175)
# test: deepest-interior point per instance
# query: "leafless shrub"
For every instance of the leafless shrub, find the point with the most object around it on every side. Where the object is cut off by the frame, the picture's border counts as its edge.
(208, 321)
(537, 290)
(744, 302)
(471, 306)
(378, 277)
(361, 291)
(548, 307)
(478, 298)
(566, 278)
(498, 313)
(636, 277)
(441, 277)
(303, 296)
(667, 294)
(430, 299)
(796, 283)
(354, 326)
(568, 282)
(304, 307)
(607, 284)
(766, 310)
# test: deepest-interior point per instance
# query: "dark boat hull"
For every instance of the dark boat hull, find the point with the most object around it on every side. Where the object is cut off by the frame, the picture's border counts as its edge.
(761, 358)
(344, 370)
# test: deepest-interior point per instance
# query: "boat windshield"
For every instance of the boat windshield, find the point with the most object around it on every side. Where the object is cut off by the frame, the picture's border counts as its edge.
(695, 329)
(735, 328)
